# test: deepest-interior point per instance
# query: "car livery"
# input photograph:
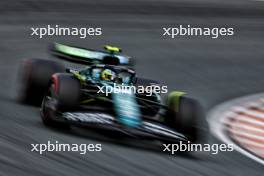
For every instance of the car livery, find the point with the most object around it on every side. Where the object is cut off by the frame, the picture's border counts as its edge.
(70, 96)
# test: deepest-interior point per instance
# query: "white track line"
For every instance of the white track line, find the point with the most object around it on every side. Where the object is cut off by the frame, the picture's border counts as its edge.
(249, 142)
(245, 119)
(242, 133)
(215, 119)
(249, 129)
(246, 127)
(249, 112)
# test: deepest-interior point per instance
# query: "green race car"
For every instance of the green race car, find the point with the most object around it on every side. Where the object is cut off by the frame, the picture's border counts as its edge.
(107, 93)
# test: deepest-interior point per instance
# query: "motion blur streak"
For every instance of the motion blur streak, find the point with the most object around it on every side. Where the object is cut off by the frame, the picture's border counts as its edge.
(241, 121)
(211, 70)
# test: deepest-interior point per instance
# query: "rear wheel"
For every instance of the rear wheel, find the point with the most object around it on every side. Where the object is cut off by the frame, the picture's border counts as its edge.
(34, 80)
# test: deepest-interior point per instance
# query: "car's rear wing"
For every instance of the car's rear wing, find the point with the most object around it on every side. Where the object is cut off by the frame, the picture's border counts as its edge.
(89, 56)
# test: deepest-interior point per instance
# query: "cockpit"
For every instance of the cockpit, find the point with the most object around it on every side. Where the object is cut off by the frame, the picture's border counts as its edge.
(110, 74)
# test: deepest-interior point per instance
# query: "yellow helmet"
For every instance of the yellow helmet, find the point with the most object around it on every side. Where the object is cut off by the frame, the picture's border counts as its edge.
(108, 75)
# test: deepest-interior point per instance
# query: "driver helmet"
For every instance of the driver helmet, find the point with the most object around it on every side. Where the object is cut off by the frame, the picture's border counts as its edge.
(108, 75)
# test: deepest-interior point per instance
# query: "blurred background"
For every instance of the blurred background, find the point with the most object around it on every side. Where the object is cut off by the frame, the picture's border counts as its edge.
(211, 70)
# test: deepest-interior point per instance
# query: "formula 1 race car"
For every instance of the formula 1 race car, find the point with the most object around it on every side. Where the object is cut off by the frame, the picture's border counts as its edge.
(91, 96)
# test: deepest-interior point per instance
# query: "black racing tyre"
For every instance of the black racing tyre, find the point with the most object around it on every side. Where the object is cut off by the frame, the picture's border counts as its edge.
(67, 90)
(63, 95)
(183, 115)
(35, 75)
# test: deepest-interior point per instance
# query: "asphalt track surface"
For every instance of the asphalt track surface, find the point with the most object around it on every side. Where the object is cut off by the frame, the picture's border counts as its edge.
(212, 70)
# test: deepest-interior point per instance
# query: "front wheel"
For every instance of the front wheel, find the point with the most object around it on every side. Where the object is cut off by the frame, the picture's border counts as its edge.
(183, 115)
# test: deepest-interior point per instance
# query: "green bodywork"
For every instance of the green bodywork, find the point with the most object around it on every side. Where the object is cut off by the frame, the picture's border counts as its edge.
(84, 55)
(174, 98)
(73, 51)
